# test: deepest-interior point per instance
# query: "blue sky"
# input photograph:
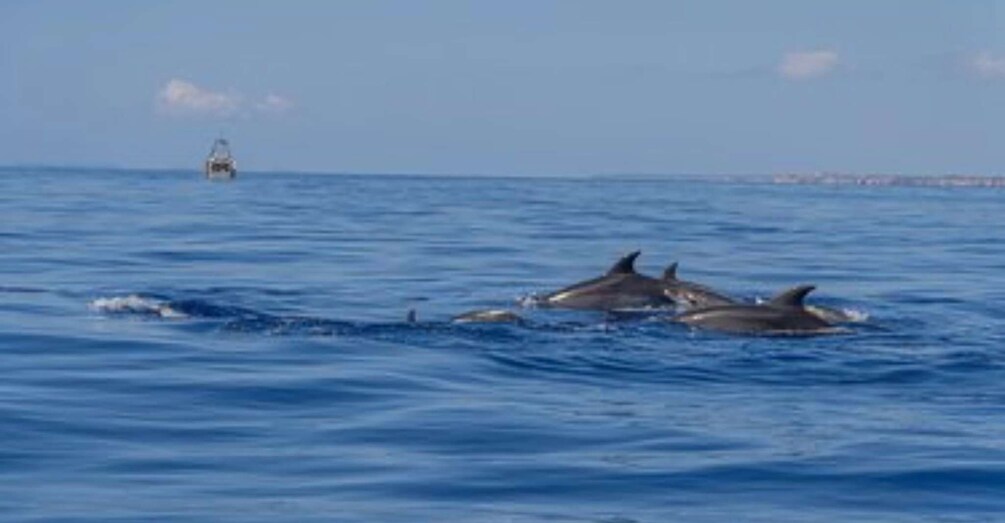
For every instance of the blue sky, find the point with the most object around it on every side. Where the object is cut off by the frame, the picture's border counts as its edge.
(514, 87)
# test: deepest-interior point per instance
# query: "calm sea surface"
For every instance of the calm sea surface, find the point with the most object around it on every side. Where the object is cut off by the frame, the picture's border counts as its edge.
(178, 350)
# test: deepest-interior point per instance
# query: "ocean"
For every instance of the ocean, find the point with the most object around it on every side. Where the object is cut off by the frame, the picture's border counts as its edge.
(174, 349)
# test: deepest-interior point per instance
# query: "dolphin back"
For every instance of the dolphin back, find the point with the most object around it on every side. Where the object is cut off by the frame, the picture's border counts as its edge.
(792, 297)
(626, 265)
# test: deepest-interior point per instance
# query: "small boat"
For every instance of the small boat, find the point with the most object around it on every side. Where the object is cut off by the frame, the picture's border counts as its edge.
(220, 163)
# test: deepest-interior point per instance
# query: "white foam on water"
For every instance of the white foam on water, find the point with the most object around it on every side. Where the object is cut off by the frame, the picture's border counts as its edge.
(855, 315)
(135, 304)
(843, 315)
(530, 301)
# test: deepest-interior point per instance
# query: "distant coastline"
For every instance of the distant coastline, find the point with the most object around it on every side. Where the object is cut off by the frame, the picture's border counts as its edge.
(819, 178)
(891, 180)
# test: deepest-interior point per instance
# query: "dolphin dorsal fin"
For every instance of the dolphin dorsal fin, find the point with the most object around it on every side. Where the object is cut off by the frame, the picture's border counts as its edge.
(625, 265)
(671, 272)
(792, 297)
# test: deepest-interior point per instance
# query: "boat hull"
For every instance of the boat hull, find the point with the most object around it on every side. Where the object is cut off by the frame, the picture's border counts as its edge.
(220, 170)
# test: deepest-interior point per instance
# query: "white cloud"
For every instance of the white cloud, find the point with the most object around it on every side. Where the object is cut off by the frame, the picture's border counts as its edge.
(987, 65)
(181, 97)
(805, 65)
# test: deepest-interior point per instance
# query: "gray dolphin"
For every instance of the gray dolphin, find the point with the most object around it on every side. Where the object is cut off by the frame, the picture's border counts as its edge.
(620, 288)
(784, 314)
(689, 295)
(488, 316)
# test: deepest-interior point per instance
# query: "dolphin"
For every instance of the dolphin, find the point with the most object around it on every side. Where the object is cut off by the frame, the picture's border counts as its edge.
(620, 288)
(689, 295)
(488, 316)
(784, 314)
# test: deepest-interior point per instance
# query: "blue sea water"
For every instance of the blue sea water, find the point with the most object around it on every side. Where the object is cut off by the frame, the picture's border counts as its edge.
(178, 350)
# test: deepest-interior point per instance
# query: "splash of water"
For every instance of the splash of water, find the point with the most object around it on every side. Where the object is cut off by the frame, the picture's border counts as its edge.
(135, 304)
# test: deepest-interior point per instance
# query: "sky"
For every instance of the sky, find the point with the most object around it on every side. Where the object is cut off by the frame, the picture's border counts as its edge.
(516, 87)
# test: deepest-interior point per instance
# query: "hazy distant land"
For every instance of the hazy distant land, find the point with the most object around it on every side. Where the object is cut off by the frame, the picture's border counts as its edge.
(901, 180)
(820, 178)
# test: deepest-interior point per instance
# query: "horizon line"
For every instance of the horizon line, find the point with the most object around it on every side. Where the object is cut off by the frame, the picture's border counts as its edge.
(788, 175)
